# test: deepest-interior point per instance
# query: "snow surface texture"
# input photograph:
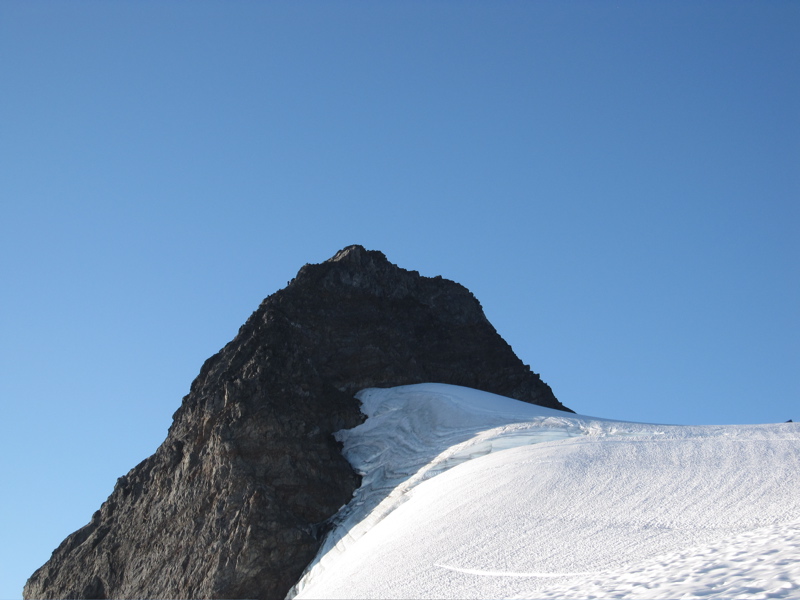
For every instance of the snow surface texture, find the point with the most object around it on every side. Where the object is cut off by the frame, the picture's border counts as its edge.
(471, 495)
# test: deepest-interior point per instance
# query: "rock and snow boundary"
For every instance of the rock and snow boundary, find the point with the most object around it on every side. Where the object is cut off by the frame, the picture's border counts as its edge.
(469, 494)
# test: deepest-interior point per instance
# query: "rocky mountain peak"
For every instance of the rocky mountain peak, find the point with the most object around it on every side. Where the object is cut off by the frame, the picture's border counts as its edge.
(368, 271)
(357, 254)
(236, 500)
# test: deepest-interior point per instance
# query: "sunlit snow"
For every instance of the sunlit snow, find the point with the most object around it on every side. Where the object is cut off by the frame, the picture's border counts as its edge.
(466, 494)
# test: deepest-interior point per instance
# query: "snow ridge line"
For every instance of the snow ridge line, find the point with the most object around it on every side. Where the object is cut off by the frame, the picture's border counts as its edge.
(512, 574)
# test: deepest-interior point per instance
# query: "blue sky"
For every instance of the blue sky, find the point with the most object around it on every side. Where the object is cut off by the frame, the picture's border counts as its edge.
(616, 182)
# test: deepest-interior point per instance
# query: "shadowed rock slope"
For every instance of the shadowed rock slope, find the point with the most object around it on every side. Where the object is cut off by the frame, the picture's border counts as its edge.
(234, 503)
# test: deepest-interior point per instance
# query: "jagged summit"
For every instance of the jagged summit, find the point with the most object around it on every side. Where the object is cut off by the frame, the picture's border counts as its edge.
(357, 253)
(235, 501)
(368, 270)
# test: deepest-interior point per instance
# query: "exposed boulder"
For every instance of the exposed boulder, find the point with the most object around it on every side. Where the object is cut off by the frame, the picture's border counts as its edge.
(234, 503)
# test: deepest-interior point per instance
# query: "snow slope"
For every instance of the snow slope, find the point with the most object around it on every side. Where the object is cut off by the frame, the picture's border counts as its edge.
(469, 494)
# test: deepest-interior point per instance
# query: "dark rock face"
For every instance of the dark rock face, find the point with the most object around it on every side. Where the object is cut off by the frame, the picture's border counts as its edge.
(233, 504)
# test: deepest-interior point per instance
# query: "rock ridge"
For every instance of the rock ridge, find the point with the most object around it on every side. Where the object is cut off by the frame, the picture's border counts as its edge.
(235, 501)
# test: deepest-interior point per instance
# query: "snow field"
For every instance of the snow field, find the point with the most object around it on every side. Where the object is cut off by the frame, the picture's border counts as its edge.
(468, 494)
(761, 563)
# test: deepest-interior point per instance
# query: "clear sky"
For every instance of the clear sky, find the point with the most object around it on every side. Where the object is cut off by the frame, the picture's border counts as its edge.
(617, 182)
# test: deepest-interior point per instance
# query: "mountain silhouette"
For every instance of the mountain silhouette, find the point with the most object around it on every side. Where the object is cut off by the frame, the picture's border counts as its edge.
(234, 503)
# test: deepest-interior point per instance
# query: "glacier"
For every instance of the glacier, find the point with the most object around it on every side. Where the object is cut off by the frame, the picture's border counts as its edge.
(466, 494)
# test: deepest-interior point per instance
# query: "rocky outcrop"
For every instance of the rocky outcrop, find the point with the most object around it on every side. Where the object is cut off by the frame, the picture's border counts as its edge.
(235, 501)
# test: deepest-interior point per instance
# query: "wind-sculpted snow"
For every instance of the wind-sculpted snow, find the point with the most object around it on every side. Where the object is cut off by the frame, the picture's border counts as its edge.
(468, 494)
(415, 432)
